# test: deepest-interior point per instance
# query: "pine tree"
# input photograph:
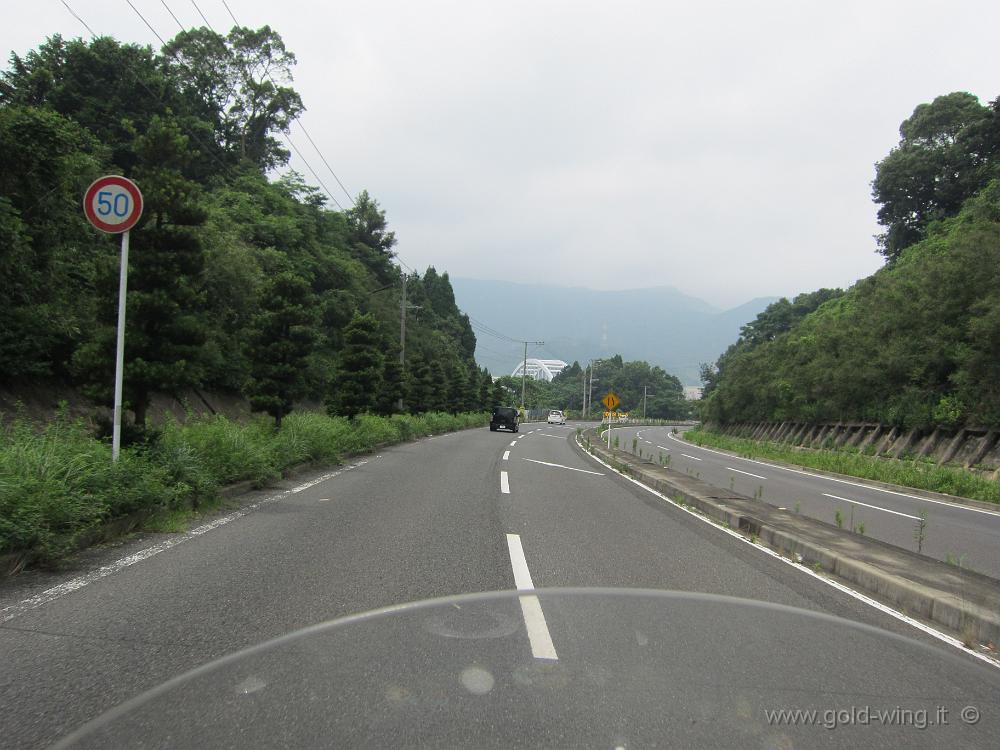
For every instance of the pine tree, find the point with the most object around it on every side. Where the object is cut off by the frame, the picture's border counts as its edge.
(360, 373)
(281, 339)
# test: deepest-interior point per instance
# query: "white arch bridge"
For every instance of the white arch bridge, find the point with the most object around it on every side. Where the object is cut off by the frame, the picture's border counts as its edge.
(540, 369)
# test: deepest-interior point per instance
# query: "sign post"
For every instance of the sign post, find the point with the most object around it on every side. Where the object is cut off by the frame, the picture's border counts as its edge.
(611, 402)
(113, 204)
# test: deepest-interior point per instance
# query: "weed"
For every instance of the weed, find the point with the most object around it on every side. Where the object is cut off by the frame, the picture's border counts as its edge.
(838, 518)
(817, 567)
(732, 484)
(635, 442)
(798, 506)
(920, 530)
(908, 473)
(861, 528)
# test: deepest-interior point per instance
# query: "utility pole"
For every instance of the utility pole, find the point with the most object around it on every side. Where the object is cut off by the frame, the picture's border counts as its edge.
(403, 307)
(524, 366)
(644, 401)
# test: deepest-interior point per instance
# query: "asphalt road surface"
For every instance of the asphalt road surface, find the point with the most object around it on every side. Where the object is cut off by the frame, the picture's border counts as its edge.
(964, 534)
(465, 512)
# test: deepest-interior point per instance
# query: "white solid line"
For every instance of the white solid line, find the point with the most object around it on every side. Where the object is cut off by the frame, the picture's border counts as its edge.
(694, 457)
(740, 471)
(9, 613)
(504, 484)
(957, 506)
(560, 466)
(875, 507)
(531, 608)
(954, 642)
(506, 455)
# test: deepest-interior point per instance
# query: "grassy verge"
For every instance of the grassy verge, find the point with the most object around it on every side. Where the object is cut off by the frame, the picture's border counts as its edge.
(58, 482)
(916, 474)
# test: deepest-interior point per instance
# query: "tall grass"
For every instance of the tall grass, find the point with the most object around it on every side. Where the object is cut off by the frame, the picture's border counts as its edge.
(58, 481)
(916, 474)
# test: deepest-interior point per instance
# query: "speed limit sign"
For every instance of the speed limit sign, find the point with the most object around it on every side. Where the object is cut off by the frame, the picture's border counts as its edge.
(113, 204)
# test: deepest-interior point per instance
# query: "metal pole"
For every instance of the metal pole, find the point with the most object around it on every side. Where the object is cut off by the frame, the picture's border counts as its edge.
(524, 371)
(644, 401)
(590, 396)
(583, 400)
(116, 432)
(402, 342)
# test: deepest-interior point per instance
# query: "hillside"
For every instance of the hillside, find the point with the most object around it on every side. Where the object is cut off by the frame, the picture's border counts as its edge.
(915, 344)
(661, 325)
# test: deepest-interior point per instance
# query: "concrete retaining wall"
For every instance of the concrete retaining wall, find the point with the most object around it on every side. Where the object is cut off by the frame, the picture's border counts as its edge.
(970, 447)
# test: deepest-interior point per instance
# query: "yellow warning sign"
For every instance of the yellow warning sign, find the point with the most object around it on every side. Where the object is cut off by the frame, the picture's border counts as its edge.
(611, 401)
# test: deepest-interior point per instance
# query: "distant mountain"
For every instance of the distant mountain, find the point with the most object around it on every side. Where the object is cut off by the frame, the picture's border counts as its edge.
(660, 325)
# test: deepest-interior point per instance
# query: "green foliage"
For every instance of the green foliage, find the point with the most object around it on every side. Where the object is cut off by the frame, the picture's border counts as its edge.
(58, 482)
(916, 474)
(947, 152)
(196, 127)
(359, 377)
(281, 340)
(914, 345)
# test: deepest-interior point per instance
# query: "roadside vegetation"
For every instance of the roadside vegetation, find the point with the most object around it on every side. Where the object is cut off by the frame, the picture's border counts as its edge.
(917, 474)
(58, 482)
(915, 344)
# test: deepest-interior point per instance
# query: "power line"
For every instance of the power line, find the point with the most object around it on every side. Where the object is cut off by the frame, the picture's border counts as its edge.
(201, 14)
(230, 12)
(179, 24)
(309, 166)
(73, 13)
(149, 91)
(163, 43)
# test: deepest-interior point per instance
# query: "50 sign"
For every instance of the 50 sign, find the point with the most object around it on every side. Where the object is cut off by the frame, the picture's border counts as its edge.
(113, 204)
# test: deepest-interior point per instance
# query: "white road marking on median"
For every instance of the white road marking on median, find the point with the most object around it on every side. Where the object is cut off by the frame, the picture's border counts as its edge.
(531, 608)
(560, 466)
(663, 448)
(557, 437)
(504, 484)
(956, 505)
(506, 455)
(954, 642)
(740, 471)
(56, 592)
(513, 443)
(323, 500)
(875, 507)
(694, 457)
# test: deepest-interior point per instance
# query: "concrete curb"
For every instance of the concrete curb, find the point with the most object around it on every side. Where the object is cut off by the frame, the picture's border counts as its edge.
(942, 605)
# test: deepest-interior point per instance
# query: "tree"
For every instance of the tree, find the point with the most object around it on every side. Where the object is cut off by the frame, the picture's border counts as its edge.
(371, 241)
(238, 80)
(281, 340)
(938, 164)
(49, 256)
(360, 372)
(391, 390)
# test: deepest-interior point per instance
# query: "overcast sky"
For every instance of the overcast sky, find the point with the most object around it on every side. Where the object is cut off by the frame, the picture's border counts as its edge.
(725, 149)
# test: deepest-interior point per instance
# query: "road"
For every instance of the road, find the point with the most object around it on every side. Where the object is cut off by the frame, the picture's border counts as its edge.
(456, 513)
(964, 533)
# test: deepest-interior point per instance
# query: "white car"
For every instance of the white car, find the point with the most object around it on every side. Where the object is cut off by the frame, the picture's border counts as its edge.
(556, 417)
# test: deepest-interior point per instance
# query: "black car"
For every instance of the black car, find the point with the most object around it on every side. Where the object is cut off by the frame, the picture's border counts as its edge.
(504, 416)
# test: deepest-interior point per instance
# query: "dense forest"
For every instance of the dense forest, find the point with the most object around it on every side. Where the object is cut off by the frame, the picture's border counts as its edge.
(240, 280)
(627, 380)
(917, 343)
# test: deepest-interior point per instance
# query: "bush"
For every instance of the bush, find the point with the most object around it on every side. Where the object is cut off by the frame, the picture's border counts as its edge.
(57, 482)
